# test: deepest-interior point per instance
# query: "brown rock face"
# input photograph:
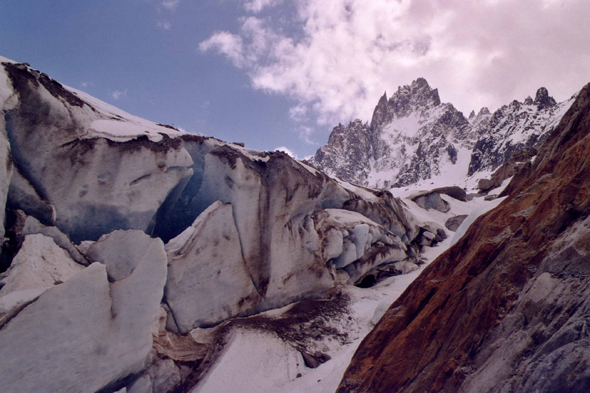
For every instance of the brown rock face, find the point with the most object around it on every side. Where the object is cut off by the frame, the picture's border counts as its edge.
(506, 308)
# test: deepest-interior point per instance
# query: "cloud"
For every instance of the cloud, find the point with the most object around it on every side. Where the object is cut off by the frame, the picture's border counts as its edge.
(286, 150)
(119, 93)
(170, 4)
(335, 58)
(165, 25)
(86, 84)
(258, 5)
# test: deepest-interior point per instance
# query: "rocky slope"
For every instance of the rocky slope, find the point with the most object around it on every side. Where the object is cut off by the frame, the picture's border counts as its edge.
(414, 137)
(126, 238)
(506, 308)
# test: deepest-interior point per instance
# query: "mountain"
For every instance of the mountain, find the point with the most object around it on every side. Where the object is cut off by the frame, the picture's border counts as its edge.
(505, 308)
(414, 138)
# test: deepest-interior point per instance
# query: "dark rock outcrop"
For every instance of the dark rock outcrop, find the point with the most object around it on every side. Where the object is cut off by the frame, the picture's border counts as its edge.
(504, 309)
(453, 223)
(431, 200)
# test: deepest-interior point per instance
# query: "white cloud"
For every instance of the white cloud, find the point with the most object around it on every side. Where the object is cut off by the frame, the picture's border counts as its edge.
(338, 56)
(227, 44)
(170, 4)
(119, 93)
(284, 149)
(165, 25)
(86, 84)
(258, 5)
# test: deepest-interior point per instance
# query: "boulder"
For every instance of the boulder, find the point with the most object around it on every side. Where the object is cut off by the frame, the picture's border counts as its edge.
(430, 200)
(453, 191)
(453, 222)
(86, 334)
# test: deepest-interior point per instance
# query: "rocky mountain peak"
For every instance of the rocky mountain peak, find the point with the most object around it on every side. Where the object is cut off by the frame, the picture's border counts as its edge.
(484, 111)
(472, 115)
(543, 99)
(528, 101)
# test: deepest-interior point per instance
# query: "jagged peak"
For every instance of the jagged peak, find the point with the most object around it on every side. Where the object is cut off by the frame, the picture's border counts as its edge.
(471, 115)
(484, 111)
(418, 92)
(543, 99)
(528, 101)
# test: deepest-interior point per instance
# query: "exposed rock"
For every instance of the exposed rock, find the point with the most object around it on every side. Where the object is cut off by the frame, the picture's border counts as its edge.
(453, 191)
(490, 197)
(86, 334)
(413, 137)
(431, 200)
(505, 309)
(515, 127)
(410, 136)
(543, 100)
(40, 263)
(519, 160)
(453, 223)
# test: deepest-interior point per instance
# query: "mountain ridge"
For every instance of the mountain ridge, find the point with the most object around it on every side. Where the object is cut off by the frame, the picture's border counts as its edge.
(413, 137)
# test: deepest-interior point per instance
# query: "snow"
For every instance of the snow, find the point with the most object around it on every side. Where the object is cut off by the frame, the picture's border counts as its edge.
(406, 126)
(116, 124)
(8, 99)
(260, 362)
(250, 363)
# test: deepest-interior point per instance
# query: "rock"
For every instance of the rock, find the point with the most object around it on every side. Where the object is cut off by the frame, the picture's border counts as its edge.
(411, 120)
(490, 197)
(40, 263)
(518, 283)
(543, 100)
(431, 200)
(315, 360)
(86, 334)
(453, 223)
(485, 185)
(453, 191)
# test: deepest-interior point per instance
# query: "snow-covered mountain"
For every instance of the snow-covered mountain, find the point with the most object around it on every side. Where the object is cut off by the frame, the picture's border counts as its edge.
(413, 138)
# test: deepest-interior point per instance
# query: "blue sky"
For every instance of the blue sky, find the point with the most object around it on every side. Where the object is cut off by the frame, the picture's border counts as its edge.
(147, 56)
(276, 73)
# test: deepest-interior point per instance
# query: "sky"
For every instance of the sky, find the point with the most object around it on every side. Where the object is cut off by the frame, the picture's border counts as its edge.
(282, 73)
